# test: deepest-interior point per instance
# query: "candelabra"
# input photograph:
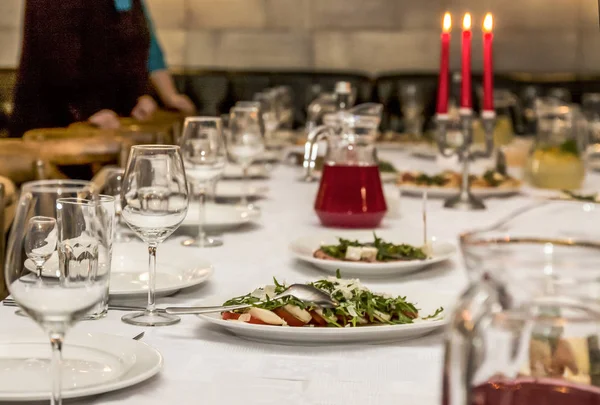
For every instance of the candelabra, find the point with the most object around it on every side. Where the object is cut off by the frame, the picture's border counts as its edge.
(465, 200)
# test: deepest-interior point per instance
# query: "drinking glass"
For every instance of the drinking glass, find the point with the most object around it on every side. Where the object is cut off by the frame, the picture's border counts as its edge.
(154, 202)
(56, 300)
(245, 142)
(204, 158)
(269, 113)
(527, 329)
(591, 108)
(112, 187)
(40, 241)
(411, 101)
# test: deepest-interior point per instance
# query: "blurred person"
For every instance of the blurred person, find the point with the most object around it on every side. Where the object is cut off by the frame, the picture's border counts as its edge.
(89, 60)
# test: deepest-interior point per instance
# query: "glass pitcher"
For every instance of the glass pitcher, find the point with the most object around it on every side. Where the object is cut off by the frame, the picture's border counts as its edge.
(350, 193)
(527, 330)
(556, 160)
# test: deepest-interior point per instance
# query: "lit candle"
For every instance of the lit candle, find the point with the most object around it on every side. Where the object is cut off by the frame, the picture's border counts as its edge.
(488, 65)
(465, 90)
(442, 100)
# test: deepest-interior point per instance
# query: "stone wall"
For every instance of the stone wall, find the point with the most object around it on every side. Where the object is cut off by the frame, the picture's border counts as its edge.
(363, 35)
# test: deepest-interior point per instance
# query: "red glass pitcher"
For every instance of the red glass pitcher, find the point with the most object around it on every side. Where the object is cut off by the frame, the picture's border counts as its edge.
(350, 194)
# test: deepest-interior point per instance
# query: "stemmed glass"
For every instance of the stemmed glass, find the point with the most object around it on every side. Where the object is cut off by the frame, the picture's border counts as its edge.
(56, 301)
(269, 113)
(245, 142)
(154, 202)
(204, 157)
(40, 241)
(112, 187)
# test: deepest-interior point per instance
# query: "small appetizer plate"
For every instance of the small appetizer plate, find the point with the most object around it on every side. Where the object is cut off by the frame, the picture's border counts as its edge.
(233, 171)
(445, 192)
(305, 247)
(221, 217)
(427, 301)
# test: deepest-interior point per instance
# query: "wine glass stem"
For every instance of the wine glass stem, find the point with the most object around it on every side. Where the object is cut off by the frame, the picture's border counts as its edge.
(151, 277)
(201, 213)
(246, 187)
(56, 340)
(38, 271)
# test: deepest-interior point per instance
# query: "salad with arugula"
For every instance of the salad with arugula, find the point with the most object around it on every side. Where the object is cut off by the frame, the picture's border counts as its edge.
(376, 251)
(357, 306)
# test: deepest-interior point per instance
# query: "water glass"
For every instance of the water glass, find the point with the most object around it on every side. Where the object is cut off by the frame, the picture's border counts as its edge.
(154, 201)
(59, 298)
(245, 143)
(112, 187)
(411, 102)
(204, 158)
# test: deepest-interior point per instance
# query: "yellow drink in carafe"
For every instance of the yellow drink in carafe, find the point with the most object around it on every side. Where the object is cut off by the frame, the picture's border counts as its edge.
(555, 169)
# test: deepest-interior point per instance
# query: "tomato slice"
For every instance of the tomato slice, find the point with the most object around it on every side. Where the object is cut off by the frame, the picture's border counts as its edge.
(290, 319)
(230, 316)
(317, 319)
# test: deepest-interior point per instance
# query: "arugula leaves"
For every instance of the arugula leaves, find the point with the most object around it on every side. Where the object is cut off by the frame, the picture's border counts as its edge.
(580, 197)
(436, 180)
(386, 251)
(357, 305)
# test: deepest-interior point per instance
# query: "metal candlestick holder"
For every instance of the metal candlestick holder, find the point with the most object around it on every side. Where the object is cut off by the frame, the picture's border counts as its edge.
(465, 200)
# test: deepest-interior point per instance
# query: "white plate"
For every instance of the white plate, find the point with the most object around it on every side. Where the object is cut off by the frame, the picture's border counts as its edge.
(423, 151)
(235, 172)
(426, 301)
(304, 248)
(441, 192)
(93, 364)
(176, 268)
(221, 217)
(235, 189)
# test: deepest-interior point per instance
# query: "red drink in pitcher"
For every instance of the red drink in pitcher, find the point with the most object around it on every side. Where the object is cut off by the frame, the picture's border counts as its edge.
(350, 196)
(529, 391)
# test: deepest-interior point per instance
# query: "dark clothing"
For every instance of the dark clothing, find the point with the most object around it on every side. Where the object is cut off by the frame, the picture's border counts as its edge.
(79, 57)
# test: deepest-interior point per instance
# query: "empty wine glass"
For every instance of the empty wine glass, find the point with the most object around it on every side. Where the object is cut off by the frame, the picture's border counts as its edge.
(204, 157)
(245, 143)
(55, 301)
(269, 113)
(40, 241)
(154, 202)
(112, 187)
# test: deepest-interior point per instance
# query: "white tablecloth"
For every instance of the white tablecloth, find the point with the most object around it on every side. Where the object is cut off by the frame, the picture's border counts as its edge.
(204, 365)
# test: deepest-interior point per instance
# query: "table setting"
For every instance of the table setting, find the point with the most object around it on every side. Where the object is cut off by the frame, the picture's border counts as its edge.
(356, 274)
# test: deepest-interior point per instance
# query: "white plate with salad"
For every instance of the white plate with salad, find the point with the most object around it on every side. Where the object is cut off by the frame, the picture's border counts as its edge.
(369, 253)
(362, 316)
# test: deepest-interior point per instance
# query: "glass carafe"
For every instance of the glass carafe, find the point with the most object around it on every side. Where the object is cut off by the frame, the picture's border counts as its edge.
(556, 160)
(350, 193)
(527, 330)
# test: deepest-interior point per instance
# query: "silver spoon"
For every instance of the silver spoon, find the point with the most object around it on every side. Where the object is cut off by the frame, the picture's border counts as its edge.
(303, 292)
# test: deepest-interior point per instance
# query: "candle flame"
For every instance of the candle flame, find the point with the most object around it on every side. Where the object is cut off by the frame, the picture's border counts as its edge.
(467, 22)
(488, 23)
(447, 22)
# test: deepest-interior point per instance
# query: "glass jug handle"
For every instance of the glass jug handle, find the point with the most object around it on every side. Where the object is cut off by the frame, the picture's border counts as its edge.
(311, 149)
(518, 113)
(464, 344)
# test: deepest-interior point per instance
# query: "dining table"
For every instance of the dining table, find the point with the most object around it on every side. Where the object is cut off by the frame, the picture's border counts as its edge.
(206, 365)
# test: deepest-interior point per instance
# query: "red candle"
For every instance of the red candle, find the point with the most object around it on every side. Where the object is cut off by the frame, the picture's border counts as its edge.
(442, 100)
(465, 90)
(488, 69)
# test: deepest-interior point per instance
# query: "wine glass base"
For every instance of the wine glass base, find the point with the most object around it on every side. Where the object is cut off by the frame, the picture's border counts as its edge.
(147, 318)
(206, 242)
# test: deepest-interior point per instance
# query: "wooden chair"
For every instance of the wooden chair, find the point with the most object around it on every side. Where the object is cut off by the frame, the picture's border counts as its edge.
(21, 162)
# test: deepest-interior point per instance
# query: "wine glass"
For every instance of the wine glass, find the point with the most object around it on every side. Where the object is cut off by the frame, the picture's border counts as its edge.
(112, 187)
(55, 301)
(245, 142)
(154, 202)
(269, 113)
(40, 241)
(204, 157)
